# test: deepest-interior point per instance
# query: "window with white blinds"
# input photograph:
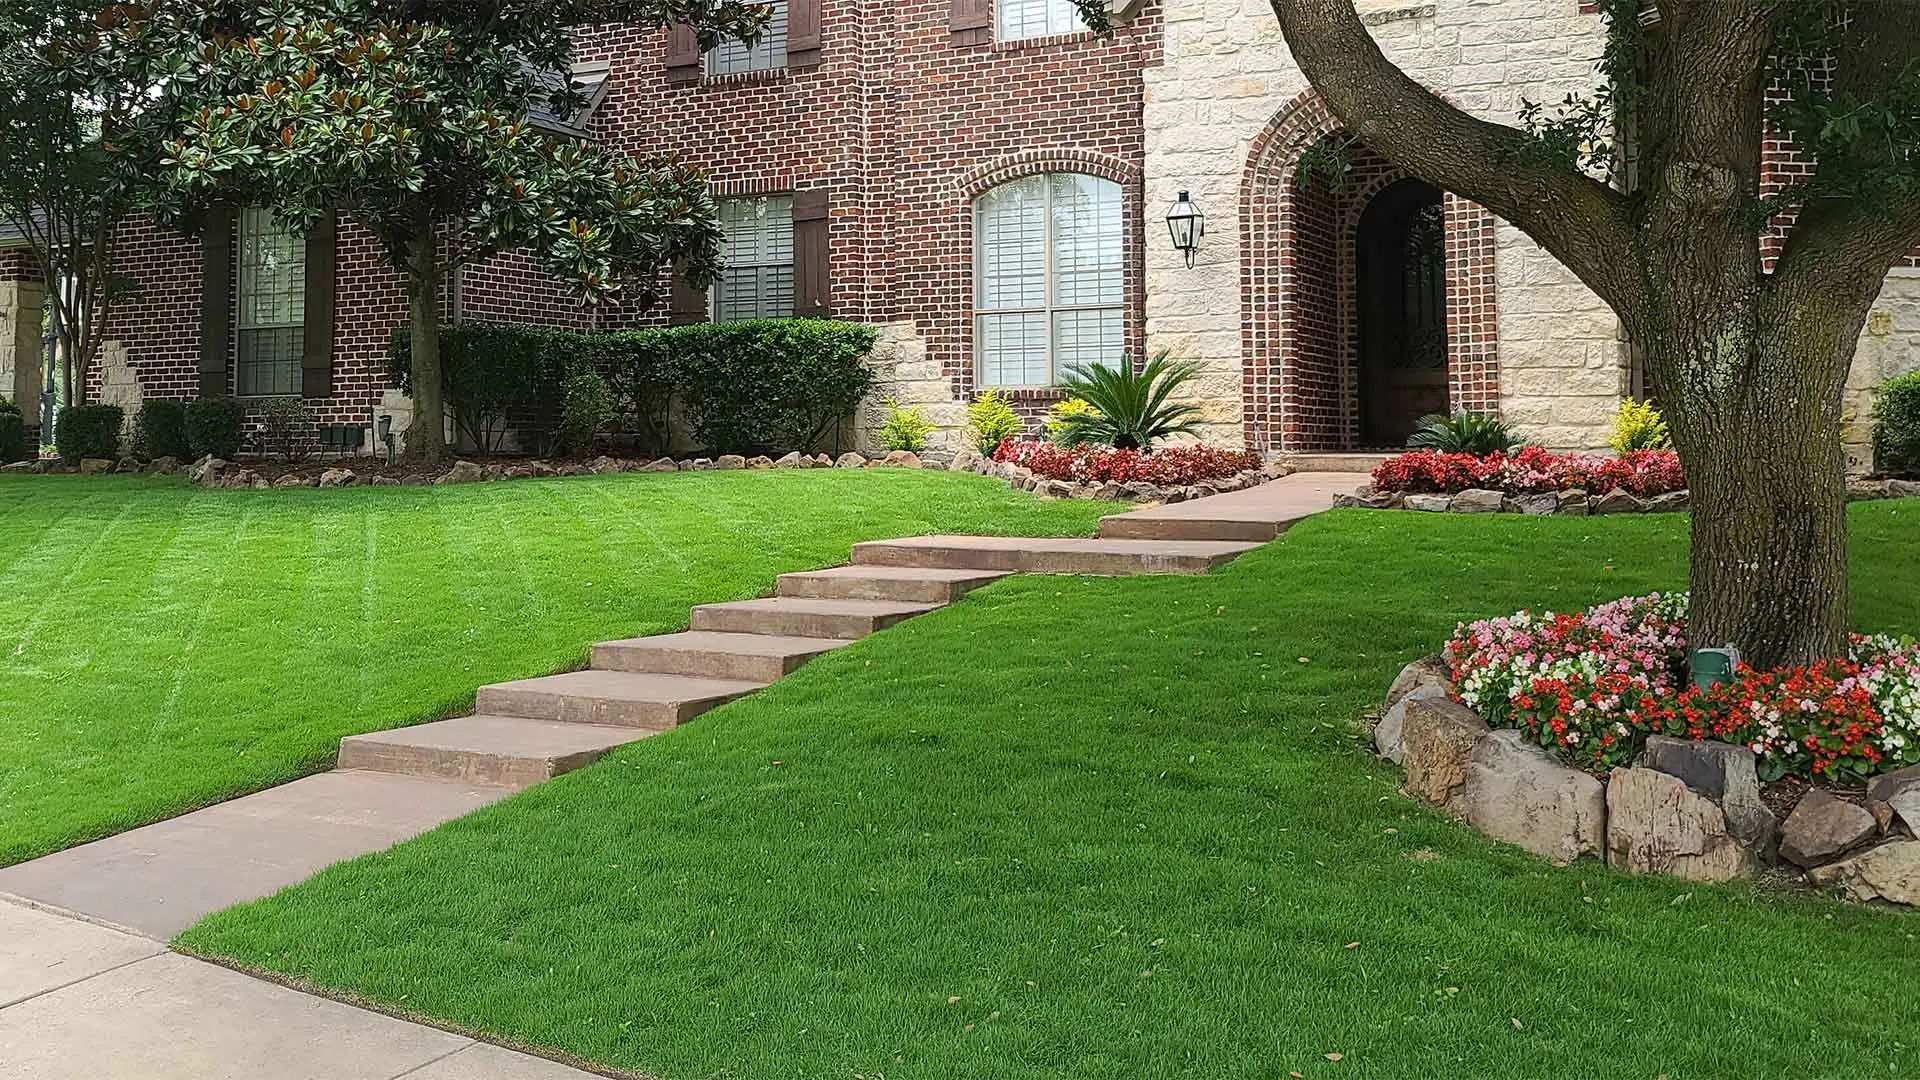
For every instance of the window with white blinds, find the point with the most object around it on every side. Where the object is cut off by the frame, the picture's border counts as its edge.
(1050, 278)
(757, 251)
(271, 309)
(1037, 18)
(768, 54)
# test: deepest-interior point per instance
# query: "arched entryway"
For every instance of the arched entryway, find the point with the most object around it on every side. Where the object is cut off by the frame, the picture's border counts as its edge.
(1400, 300)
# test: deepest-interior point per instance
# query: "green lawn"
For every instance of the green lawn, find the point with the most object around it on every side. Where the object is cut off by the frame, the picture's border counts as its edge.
(1113, 829)
(163, 647)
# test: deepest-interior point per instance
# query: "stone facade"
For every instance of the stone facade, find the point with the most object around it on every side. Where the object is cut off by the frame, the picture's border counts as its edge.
(22, 296)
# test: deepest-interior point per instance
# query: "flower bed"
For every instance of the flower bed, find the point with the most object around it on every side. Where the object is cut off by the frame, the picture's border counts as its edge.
(1530, 471)
(1177, 465)
(1595, 685)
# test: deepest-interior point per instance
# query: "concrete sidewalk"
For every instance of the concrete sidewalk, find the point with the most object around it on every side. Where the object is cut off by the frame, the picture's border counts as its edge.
(1253, 515)
(83, 1002)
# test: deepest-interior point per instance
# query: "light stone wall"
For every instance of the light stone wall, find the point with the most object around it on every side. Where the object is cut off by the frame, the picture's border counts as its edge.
(21, 345)
(1228, 73)
(1889, 347)
(905, 374)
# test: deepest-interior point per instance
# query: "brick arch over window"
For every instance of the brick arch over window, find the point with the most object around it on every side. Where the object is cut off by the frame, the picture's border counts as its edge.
(1299, 373)
(972, 183)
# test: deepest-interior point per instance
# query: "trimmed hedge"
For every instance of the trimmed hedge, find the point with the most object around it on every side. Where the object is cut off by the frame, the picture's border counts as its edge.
(13, 434)
(88, 431)
(160, 430)
(745, 387)
(1896, 429)
(215, 425)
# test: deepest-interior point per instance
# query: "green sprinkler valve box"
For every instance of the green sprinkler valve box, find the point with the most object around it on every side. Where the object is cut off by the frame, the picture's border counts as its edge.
(1712, 667)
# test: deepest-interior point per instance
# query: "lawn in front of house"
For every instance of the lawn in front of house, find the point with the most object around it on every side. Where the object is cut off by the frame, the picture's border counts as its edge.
(164, 646)
(1113, 830)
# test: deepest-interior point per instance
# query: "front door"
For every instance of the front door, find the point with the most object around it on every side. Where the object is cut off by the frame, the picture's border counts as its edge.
(1401, 289)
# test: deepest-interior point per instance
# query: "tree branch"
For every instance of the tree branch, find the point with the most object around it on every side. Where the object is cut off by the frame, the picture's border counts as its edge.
(1579, 220)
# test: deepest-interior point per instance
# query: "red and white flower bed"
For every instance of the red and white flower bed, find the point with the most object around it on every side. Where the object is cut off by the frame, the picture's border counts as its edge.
(1530, 471)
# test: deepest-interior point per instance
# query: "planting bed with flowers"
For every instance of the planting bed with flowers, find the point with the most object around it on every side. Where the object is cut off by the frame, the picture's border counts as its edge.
(1531, 471)
(1596, 684)
(1088, 463)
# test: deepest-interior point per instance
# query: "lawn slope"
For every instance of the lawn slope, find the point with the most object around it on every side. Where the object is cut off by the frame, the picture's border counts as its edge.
(1112, 829)
(162, 646)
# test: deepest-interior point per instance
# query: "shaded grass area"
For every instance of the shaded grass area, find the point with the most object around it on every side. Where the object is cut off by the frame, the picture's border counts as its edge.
(1113, 829)
(162, 646)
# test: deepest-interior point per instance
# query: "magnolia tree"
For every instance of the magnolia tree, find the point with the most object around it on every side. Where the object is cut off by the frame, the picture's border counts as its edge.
(409, 117)
(1751, 360)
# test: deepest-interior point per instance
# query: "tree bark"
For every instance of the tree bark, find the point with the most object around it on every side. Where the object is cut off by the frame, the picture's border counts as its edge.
(427, 434)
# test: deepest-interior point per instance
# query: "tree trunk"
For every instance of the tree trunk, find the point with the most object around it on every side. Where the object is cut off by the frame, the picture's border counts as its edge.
(427, 435)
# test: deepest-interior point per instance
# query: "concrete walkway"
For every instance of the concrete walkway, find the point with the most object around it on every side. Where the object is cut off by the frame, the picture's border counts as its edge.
(97, 995)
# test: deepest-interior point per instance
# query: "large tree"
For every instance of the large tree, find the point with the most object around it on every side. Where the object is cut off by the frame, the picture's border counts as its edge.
(1751, 360)
(411, 118)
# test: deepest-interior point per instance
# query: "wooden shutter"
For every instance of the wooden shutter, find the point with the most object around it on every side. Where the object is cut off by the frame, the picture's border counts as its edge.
(812, 288)
(972, 22)
(803, 33)
(316, 361)
(686, 304)
(683, 54)
(216, 300)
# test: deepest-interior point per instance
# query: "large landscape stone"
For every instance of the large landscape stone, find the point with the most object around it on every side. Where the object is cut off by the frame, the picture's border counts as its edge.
(1426, 671)
(1388, 732)
(1573, 503)
(1657, 825)
(851, 460)
(1518, 792)
(790, 461)
(1673, 502)
(1727, 774)
(730, 461)
(462, 472)
(1437, 736)
(1539, 503)
(1823, 828)
(1903, 489)
(1619, 501)
(1431, 503)
(1477, 501)
(1890, 872)
(1883, 790)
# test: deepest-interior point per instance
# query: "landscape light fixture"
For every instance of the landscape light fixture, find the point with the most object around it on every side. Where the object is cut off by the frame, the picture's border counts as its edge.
(1188, 225)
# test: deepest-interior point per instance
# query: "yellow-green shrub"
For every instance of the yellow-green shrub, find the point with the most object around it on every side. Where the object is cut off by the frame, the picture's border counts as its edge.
(1066, 421)
(906, 428)
(993, 421)
(1638, 426)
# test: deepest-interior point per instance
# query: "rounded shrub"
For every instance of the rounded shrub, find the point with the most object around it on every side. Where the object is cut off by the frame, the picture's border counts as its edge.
(160, 430)
(1896, 428)
(13, 434)
(215, 426)
(88, 431)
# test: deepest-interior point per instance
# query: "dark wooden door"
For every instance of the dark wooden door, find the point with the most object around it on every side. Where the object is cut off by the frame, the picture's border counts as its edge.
(1401, 293)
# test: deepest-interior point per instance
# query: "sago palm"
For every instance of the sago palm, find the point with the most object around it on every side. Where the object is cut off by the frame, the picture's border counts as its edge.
(1133, 410)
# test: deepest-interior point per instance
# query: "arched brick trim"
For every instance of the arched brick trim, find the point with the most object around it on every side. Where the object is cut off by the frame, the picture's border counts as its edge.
(1299, 371)
(971, 184)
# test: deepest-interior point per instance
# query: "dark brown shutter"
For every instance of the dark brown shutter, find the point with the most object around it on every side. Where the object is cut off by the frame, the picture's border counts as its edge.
(316, 362)
(686, 304)
(683, 54)
(803, 33)
(972, 22)
(216, 300)
(811, 287)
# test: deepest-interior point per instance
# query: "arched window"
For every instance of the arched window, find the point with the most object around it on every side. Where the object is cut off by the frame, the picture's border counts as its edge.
(1049, 270)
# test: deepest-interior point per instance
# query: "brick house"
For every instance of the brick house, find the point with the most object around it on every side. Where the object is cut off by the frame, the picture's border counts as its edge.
(985, 182)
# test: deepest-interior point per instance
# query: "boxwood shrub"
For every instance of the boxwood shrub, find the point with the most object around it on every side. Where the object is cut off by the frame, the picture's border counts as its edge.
(13, 434)
(215, 425)
(88, 431)
(160, 430)
(1896, 430)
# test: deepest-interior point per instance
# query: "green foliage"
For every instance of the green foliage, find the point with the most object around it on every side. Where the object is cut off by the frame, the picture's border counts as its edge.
(160, 430)
(288, 424)
(215, 425)
(1464, 432)
(586, 408)
(497, 376)
(638, 367)
(13, 434)
(993, 421)
(906, 428)
(88, 431)
(773, 384)
(1133, 409)
(1638, 426)
(1896, 427)
(1066, 421)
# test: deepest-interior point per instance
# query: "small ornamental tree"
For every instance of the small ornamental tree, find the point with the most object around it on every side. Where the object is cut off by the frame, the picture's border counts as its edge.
(410, 117)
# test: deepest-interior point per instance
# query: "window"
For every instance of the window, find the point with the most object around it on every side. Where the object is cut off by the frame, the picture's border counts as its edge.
(768, 54)
(757, 250)
(1050, 278)
(1037, 18)
(270, 323)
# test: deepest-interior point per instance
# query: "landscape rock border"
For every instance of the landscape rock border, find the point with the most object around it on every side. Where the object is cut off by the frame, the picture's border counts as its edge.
(1689, 809)
(1022, 478)
(1576, 502)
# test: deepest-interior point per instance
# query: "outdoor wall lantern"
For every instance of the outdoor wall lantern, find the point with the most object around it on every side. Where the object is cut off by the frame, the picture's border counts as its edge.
(1188, 225)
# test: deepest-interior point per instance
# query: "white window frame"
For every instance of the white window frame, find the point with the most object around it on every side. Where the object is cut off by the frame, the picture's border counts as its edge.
(730, 57)
(1048, 308)
(252, 221)
(1057, 18)
(766, 204)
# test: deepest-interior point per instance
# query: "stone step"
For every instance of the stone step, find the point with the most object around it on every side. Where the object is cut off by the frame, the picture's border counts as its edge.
(1361, 461)
(1099, 558)
(906, 584)
(504, 751)
(800, 617)
(615, 698)
(1144, 527)
(760, 658)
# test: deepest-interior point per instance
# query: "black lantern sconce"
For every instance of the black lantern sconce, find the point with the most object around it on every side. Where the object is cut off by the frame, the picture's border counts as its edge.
(1188, 225)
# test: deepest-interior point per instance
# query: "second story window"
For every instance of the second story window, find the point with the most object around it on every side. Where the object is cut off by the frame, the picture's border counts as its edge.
(758, 253)
(272, 311)
(1019, 19)
(767, 54)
